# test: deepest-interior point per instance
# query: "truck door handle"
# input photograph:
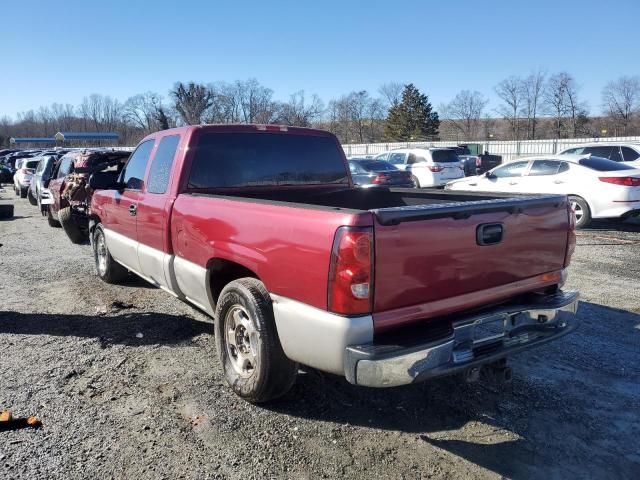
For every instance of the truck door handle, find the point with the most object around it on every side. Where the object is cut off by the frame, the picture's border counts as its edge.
(513, 183)
(558, 181)
(133, 210)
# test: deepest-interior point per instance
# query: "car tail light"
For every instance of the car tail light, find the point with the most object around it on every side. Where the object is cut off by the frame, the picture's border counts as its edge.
(351, 271)
(624, 181)
(435, 168)
(571, 235)
(478, 162)
(380, 178)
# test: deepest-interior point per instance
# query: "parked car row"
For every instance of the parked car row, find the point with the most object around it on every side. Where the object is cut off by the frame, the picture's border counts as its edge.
(597, 187)
(57, 182)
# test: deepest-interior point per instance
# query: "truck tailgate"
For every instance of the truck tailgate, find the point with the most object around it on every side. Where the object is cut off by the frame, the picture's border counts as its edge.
(428, 262)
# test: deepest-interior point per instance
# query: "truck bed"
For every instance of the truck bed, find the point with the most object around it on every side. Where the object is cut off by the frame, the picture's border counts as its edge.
(428, 259)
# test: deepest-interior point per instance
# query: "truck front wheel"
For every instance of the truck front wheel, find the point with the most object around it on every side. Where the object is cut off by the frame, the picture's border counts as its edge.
(253, 362)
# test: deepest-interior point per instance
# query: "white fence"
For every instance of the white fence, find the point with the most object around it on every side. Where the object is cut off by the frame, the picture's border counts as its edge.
(508, 149)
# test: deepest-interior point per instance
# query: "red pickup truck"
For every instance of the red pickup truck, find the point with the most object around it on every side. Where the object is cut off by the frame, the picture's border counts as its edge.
(262, 228)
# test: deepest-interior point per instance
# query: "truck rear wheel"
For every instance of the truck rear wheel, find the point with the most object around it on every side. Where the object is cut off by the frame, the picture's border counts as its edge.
(107, 268)
(253, 362)
(71, 227)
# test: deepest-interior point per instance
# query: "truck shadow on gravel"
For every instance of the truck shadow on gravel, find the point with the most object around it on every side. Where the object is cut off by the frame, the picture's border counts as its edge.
(123, 328)
(630, 225)
(540, 424)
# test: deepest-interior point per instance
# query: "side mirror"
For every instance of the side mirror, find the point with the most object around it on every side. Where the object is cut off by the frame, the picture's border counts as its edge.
(489, 175)
(105, 181)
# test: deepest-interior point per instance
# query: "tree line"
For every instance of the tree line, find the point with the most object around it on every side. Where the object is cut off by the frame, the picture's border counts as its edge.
(530, 107)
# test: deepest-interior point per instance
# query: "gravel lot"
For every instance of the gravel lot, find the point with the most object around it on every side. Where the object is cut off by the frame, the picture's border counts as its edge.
(125, 381)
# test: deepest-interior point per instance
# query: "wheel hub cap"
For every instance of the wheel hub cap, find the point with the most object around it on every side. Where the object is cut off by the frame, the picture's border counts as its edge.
(241, 341)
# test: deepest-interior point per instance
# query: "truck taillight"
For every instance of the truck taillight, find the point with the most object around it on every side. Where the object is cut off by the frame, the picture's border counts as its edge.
(571, 235)
(351, 271)
(478, 162)
(436, 168)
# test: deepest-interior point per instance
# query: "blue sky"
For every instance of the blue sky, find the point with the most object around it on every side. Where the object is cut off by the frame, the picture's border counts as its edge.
(61, 51)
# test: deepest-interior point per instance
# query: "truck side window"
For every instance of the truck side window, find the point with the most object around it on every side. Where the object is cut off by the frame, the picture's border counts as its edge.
(133, 174)
(162, 163)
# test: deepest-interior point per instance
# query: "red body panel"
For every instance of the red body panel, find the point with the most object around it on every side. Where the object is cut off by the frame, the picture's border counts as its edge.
(287, 247)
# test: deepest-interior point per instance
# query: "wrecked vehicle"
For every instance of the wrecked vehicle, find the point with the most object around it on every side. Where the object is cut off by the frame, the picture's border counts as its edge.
(70, 194)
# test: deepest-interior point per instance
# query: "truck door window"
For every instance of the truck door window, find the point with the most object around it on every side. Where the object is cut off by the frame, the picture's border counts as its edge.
(133, 174)
(162, 163)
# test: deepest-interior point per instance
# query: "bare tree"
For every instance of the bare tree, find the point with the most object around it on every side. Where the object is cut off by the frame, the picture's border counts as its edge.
(511, 92)
(144, 111)
(533, 87)
(555, 101)
(191, 101)
(391, 93)
(621, 99)
(464, 112)
(298, 112)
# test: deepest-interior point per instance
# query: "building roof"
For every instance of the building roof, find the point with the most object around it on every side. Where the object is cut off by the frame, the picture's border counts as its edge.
(62, 136)
(32, 140)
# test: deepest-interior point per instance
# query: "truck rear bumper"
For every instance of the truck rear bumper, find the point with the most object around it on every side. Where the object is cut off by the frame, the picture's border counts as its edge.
(472, 341)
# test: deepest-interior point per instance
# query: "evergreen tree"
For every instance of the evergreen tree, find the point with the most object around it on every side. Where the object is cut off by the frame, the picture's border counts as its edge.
(413, 118)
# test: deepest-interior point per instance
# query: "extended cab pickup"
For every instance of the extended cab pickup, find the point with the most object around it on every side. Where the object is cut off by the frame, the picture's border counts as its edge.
(261, 227)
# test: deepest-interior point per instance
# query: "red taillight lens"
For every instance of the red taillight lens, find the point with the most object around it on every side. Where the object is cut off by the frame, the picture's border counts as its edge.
(624, 181)
(478, 162)
(380, 178)
(571, 235)
(435, 168)
(351, 271)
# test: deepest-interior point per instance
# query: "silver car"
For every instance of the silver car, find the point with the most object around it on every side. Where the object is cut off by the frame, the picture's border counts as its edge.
(38, 194)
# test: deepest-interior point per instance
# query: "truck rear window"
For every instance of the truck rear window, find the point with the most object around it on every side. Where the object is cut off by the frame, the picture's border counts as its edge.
(231, 160)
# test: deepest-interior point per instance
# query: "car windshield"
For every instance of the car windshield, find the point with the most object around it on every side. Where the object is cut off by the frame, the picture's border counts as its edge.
(444, 156)
(603, 164)
(376, 165)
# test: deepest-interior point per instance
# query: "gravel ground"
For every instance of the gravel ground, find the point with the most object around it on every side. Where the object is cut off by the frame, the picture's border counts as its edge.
(126, 383)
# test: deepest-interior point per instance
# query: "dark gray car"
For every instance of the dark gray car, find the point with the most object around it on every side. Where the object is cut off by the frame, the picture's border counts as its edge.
(378, 173)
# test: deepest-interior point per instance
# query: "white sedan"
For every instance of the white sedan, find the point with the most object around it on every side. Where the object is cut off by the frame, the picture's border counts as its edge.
(597, 187)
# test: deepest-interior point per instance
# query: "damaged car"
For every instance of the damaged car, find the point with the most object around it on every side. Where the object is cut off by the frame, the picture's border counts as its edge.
(70, 194)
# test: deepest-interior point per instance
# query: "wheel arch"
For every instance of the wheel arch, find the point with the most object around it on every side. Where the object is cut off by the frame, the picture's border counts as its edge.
(221, 272)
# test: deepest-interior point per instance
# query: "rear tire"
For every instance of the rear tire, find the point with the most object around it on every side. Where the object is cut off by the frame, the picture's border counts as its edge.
(23, 193)
(52, 221)
(16, 191)
(107, 268)
(581, 210)
(70, 226)
(32, 200)
(253, 362)
(415, 181)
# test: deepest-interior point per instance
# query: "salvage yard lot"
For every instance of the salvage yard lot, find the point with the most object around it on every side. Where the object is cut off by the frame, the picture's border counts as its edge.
(126, 382)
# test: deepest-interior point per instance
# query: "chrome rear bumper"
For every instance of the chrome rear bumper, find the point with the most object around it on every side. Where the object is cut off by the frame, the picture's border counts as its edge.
(473, 341)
